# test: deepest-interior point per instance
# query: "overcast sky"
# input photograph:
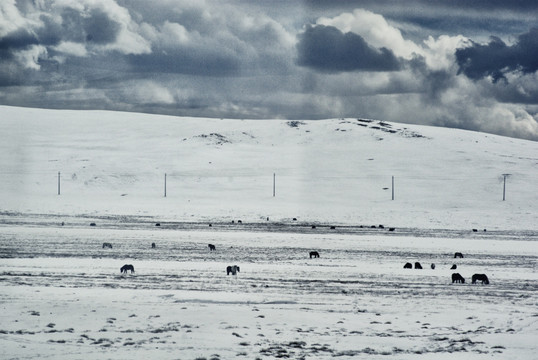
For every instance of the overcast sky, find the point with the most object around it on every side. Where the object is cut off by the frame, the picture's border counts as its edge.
(458, 63)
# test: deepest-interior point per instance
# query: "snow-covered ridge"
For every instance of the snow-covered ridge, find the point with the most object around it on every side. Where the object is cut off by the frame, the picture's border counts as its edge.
(335, 170)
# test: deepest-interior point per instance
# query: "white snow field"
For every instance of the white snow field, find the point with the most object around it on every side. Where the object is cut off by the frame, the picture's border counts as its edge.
(265, 193)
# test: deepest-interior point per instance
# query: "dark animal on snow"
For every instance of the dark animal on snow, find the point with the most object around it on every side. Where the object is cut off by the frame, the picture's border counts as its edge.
(458, 255)
(107, 245)
(313, 226)
(475, 230)
(417, 265)
(153, 245)
(432, 266)
(232, 270)
(333, 227)
(457, 278)
(126, 268)
(314, 254)
(211, 247)
(158, 224)
(93, 224)
(480, 277)
(392, 229)
(408, 266)
(454, 267)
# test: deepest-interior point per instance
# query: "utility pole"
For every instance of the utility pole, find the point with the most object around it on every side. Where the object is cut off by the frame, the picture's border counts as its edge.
(164, 184)
(504, 185)
(58, 183)
(274, 184)
(393, 188)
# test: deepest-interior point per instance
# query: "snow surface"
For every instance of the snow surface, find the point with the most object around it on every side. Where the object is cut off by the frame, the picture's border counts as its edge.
(326, 171)
(63, 297)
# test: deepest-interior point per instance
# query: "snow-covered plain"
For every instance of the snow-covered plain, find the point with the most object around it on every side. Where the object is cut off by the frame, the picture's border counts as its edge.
(63, 297)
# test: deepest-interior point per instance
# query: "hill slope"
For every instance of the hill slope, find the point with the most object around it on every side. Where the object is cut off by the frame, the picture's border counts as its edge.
(330, 171)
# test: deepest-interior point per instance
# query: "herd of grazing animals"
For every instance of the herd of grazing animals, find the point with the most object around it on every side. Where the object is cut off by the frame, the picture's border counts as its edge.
(456, 277)
(234, 269)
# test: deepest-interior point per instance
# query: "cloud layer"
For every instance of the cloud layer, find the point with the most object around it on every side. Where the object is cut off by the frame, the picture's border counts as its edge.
(497, 58)
(244, 59)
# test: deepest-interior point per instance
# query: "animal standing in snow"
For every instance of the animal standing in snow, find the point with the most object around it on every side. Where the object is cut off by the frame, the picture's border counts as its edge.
(432, 266)
(417, 265)
(126, 268)
(314, 254)
(211, 247)
(107, 245)
(458, 255)
(454, 267)
(232, 270)
(408, 266)
(153, 245)
(480, 277)
(457, 278)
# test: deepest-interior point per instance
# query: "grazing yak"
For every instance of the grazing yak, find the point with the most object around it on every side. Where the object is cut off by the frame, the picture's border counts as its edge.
(457, 278)
(480, 277)
(458, 255)
(126, 268)
(232, 269)
(454, 267)
(314, 254)
(211, 247)
(408, 266)
(153, 245)
(417, 265)
(432, 266)
(107, 245)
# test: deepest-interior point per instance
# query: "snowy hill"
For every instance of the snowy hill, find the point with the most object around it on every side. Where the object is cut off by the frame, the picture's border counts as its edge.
(326, 171)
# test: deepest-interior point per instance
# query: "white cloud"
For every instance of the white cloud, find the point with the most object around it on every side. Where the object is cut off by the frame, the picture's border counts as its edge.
(12, 20)
(439, 53)
(148, 92)
(174, 34)
(29, 58)
(375, 30)
(71, 48)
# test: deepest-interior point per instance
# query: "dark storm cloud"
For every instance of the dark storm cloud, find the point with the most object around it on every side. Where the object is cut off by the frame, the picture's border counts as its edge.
(496, 58)
(18, 39)
(415, 4)
(325, 48)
